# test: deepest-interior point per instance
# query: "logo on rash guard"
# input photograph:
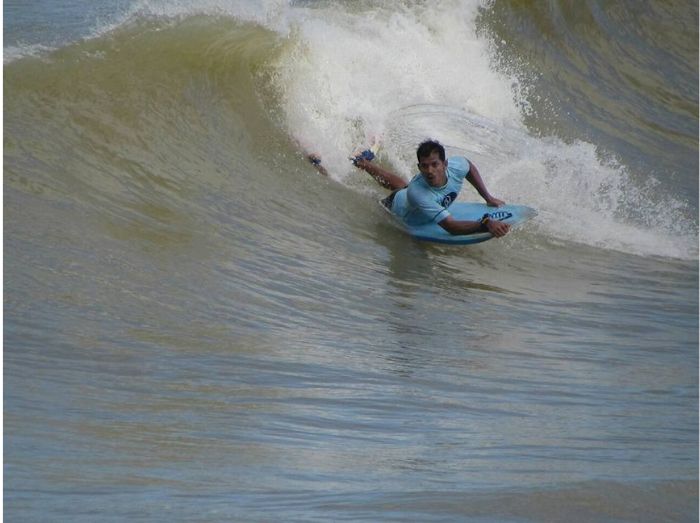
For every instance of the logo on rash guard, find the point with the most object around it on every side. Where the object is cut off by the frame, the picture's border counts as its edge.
(447, 200)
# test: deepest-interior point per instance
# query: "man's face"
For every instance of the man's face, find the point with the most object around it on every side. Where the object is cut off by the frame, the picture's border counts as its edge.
(433, 169)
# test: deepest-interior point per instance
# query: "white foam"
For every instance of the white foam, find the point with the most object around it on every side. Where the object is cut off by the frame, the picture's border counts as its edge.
(585, 199)
(348, 72)
(16, 52)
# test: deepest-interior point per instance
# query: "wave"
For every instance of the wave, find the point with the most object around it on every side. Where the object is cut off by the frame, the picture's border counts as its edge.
(160, 105)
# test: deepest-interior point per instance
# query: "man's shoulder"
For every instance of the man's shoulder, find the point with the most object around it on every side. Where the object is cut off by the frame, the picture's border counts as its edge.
(417, 182)
(458, 163)
(418, 188)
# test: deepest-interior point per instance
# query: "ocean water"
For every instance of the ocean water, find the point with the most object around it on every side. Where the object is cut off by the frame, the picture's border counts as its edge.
(198, 327)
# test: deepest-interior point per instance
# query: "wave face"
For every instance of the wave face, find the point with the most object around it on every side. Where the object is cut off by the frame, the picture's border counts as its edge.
(605, 148)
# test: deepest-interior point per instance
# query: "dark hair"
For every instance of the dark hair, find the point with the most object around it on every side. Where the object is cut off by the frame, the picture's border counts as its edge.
(428, 147)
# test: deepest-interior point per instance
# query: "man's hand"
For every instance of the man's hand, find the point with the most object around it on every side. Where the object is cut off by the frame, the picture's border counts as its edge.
(362, 163)
(494, 202)
(497, 228)
(314, 158)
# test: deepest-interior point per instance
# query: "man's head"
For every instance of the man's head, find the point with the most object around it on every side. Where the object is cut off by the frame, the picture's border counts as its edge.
(432, 163)
(427, 148)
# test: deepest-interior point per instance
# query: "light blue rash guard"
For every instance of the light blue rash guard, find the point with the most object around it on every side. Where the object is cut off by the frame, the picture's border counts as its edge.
(419, 203)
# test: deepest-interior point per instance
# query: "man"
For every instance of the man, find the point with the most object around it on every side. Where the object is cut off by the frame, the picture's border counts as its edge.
(427, 197)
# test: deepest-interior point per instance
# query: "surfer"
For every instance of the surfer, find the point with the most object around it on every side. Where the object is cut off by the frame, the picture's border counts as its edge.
(427, 197)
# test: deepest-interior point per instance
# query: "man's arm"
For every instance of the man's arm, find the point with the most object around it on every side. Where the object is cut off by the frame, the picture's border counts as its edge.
(454, 226)
(475, 179)
(315, 160)
(382, 176)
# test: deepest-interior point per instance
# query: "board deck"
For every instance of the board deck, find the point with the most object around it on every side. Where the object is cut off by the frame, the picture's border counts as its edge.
(513, 215)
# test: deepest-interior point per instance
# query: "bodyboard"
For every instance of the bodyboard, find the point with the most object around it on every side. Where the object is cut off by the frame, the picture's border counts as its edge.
(513, 215)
